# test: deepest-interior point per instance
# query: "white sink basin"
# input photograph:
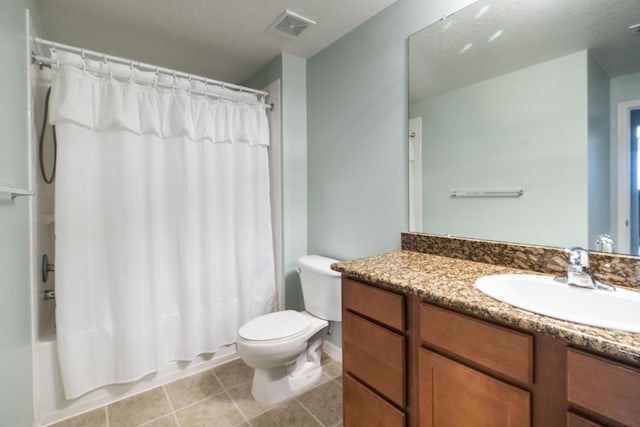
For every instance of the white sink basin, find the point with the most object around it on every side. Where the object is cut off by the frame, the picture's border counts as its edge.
(541, 294)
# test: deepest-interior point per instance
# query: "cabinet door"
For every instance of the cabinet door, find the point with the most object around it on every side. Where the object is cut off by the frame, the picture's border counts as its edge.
(452, 394)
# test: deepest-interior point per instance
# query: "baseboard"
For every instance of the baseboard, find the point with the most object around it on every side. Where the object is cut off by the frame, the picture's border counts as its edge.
(333, 351)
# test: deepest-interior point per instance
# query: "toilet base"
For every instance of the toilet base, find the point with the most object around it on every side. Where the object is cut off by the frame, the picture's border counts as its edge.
(274, 385)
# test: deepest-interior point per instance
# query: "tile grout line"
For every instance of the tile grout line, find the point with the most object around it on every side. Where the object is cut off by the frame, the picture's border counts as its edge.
(308, 411)
(226, 390)
(173, 410)
(235, 404)
(246, 418)
(106, 416)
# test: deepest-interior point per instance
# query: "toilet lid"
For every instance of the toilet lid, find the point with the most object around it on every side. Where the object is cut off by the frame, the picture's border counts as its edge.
(273, 326)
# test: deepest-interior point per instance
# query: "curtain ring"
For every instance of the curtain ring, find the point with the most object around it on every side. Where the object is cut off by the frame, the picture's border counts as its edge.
(130, 71)
(54, 53)
(84, 61)
(157, 76)
(221, 96)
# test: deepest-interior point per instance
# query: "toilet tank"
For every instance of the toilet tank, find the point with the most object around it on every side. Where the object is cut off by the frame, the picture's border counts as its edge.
(321, 287)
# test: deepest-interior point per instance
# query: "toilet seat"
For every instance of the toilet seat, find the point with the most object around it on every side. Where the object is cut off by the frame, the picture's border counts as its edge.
(275, 326)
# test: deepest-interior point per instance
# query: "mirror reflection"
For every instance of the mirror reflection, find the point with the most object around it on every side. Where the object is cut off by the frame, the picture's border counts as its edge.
(524, 123)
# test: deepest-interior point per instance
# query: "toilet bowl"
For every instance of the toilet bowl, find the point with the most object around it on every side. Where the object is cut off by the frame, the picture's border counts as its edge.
(285, 347)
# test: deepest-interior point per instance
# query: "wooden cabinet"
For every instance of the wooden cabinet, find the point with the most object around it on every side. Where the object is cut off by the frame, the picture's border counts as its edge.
(457, 356)
(408, 362)
(374, 354)
(496, 348)
(374, 303)
(603, 387)
(575, 420)
(452, 394)
(363, 407)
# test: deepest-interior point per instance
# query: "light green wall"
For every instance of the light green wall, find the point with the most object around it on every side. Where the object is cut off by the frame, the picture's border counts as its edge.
(357, 104)
(16, 391)
(512, 131)
(357, 133)
(292, 72)
(267, 74)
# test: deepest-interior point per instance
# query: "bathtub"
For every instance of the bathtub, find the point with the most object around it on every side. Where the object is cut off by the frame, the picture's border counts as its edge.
(51, 406)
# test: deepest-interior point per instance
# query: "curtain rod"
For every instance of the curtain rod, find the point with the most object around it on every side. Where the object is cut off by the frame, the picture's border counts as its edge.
(141, 66)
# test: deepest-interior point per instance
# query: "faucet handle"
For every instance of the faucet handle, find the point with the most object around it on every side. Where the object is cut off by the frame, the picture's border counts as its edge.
(578, 257)
(605, 243)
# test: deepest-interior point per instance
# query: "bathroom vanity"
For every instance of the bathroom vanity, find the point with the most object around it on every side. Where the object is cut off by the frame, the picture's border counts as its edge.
(423, 347)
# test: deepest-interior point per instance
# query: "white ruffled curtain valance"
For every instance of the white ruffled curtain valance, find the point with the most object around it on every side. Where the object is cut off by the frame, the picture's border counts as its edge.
(163, 226)
(103, 103)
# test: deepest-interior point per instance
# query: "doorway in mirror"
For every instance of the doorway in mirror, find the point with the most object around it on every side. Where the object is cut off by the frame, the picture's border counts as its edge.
(415, 174)
(629, 177)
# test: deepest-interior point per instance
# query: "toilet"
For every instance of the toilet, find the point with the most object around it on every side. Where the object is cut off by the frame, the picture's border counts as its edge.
(284, 347)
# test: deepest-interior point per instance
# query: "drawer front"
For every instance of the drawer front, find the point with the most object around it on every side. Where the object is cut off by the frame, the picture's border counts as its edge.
(574, 420)
(499, 349)
(604, 387)
(383, 306)
(362, 407)
(452, 394)
(374, 355)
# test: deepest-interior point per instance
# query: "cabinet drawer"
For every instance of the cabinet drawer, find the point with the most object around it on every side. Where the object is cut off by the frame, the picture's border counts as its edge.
(499, 349)
(374, 355)
(574, 420)
(603, 387)
(452, 394)
(362, 407)
(383, 306)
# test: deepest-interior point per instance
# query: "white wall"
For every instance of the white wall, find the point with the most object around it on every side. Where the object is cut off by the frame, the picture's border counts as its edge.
(16, 407)
(526, 129)
(599, 208)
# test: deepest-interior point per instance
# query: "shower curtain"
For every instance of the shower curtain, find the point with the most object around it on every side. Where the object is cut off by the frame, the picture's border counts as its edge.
(163, 228)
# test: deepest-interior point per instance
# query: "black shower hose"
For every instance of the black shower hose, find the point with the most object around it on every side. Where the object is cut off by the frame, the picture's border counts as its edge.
(49, 179)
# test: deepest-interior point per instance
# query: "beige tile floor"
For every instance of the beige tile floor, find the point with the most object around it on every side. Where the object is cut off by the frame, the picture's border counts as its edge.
(221, 397)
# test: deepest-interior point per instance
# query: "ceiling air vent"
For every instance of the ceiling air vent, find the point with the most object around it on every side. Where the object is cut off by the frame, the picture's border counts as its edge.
(292, 24)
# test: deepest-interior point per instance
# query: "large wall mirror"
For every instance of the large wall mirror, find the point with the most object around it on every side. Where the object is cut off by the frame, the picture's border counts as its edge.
(524, 121)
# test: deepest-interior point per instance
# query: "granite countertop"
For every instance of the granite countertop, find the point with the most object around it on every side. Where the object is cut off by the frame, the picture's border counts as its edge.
(449, 282)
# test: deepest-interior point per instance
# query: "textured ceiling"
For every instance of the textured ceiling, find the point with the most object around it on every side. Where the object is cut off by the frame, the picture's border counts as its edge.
(222, 39)
(533, 31)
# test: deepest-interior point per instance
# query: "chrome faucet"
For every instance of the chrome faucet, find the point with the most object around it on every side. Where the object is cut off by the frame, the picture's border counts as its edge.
(576, 276)
(605, 243)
